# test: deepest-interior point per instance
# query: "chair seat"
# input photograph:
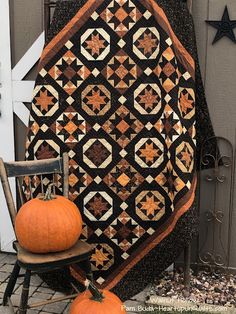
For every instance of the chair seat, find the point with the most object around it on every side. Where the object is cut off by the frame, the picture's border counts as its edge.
(79, 252)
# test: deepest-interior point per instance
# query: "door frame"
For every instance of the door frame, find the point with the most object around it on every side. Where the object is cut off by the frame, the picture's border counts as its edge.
(7, 151)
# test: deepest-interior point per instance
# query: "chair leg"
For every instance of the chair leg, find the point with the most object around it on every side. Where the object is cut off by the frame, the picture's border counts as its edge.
(11, 284)
(187, 261)
(86, 266)
(88, 270)
(25, 293)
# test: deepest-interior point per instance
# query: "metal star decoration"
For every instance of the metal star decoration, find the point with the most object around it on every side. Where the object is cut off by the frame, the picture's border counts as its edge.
(224, 27)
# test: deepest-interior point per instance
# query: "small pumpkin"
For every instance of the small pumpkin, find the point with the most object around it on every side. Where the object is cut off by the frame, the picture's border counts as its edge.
(93, 301)
(49, 224)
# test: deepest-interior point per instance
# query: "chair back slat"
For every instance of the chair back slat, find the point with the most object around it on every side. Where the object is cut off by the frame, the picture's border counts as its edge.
(33, 167)
(20, 191)
(30, 188)
(41, 183)
(7, 192)
(30, 169)
(54, 182)
(66, 175)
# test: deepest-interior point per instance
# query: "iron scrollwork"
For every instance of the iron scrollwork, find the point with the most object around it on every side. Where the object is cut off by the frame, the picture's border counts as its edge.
(216, 257)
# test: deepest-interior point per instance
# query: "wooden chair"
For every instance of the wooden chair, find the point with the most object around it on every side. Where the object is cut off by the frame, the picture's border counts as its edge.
(39, 263)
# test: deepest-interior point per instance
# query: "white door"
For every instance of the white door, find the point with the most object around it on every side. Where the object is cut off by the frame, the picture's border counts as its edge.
(14, 92)
(6, 120)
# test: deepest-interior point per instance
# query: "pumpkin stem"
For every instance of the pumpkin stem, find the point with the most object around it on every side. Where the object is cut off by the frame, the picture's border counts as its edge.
(96, 294)
(48, 195)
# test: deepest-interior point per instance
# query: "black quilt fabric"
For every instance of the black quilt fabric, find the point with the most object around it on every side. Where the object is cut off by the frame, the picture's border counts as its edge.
(119, 88)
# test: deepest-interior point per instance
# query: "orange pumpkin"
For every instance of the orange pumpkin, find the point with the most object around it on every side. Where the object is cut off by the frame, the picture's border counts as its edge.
(93, 301)
(51, 224)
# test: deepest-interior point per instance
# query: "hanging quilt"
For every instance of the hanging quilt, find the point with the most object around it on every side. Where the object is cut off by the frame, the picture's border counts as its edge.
(116, 89)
